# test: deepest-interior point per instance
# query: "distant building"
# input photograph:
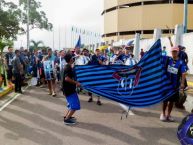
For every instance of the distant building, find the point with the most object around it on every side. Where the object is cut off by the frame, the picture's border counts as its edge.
(123, 18)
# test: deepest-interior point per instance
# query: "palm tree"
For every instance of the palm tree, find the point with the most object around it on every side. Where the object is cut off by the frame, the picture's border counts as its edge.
(36, 45)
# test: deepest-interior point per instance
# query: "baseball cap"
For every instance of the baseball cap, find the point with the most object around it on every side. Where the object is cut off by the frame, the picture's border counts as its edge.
(176, 48)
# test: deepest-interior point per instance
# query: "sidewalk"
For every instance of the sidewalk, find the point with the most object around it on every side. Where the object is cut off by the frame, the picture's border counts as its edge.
(6, 91)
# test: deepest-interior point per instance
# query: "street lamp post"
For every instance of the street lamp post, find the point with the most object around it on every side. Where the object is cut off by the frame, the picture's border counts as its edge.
(59, 39)
(185, 23)
(28, 7)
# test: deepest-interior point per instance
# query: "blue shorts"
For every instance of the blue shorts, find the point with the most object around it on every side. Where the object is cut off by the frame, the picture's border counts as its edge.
(73, 102)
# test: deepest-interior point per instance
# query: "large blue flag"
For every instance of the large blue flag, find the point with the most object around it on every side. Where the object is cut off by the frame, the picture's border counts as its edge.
(142, 85)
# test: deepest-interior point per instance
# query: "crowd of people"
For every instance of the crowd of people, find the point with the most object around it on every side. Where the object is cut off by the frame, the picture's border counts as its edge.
(22, 63)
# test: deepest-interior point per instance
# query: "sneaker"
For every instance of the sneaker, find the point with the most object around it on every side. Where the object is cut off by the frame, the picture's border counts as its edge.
(99, 103)
(69, 122)
(90, 100)
(186, 89)
(49, 93)
(54, 94)
(163, 118)
(131, 113)
(19, 92)
(71, 118)
(41, 86)
(170, 119)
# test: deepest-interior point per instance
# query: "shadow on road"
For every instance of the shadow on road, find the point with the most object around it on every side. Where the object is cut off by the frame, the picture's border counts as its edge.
(48, 125)
(158, 134)
(105, 108)
(20, 130)
(129, 139)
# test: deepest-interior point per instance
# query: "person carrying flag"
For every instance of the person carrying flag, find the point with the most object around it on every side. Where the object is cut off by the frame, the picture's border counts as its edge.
(95, 60)
(120, 57)
(69, 90)
(111, 56)
(176, 71)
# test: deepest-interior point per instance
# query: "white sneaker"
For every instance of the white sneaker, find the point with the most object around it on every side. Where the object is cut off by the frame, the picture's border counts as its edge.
(54, 94)
(163, 118)
(186, 88)
(170, 119)
(131, 113)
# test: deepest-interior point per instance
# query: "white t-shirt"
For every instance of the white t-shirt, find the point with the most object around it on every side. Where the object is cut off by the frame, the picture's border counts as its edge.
(130, 61)
(82, 60)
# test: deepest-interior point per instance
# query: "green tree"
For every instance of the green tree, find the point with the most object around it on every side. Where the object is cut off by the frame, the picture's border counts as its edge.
(37, 17)
(9, 28)
(12, 17)
(36, 45)
(9, 20)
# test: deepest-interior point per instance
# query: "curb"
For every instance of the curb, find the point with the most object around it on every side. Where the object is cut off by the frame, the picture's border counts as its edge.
(6, 91)
(11, 98)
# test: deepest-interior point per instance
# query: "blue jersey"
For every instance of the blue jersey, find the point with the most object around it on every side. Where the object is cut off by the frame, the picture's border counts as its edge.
(164, 53)
(95, 60)
(125, 57)
(40, 56)
(183, 56)
(121, 57)
(52, 58)
(102, 58)
(33, 60)
(22, 58)
(175, 69)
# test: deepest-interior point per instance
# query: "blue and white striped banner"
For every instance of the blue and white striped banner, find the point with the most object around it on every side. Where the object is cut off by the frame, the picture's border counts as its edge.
(142, 85)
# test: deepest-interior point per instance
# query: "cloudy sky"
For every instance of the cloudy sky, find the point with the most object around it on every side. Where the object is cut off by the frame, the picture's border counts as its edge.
(63, 14)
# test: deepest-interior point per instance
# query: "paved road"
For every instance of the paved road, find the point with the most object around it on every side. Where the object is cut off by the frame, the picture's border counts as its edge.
(37, 119)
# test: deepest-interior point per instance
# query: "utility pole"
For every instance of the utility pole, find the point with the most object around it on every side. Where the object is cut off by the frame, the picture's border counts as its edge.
(59, 38)
(65, 29)
(28, 19)
(53, 39)
(185, 23)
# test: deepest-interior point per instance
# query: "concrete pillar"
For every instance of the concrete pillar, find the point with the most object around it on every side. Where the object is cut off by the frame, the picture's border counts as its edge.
(137, 46)
(179, 31)
(157, 34)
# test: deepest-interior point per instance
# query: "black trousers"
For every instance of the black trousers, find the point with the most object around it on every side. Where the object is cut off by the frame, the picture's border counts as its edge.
(18, 82)
(10, 73)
